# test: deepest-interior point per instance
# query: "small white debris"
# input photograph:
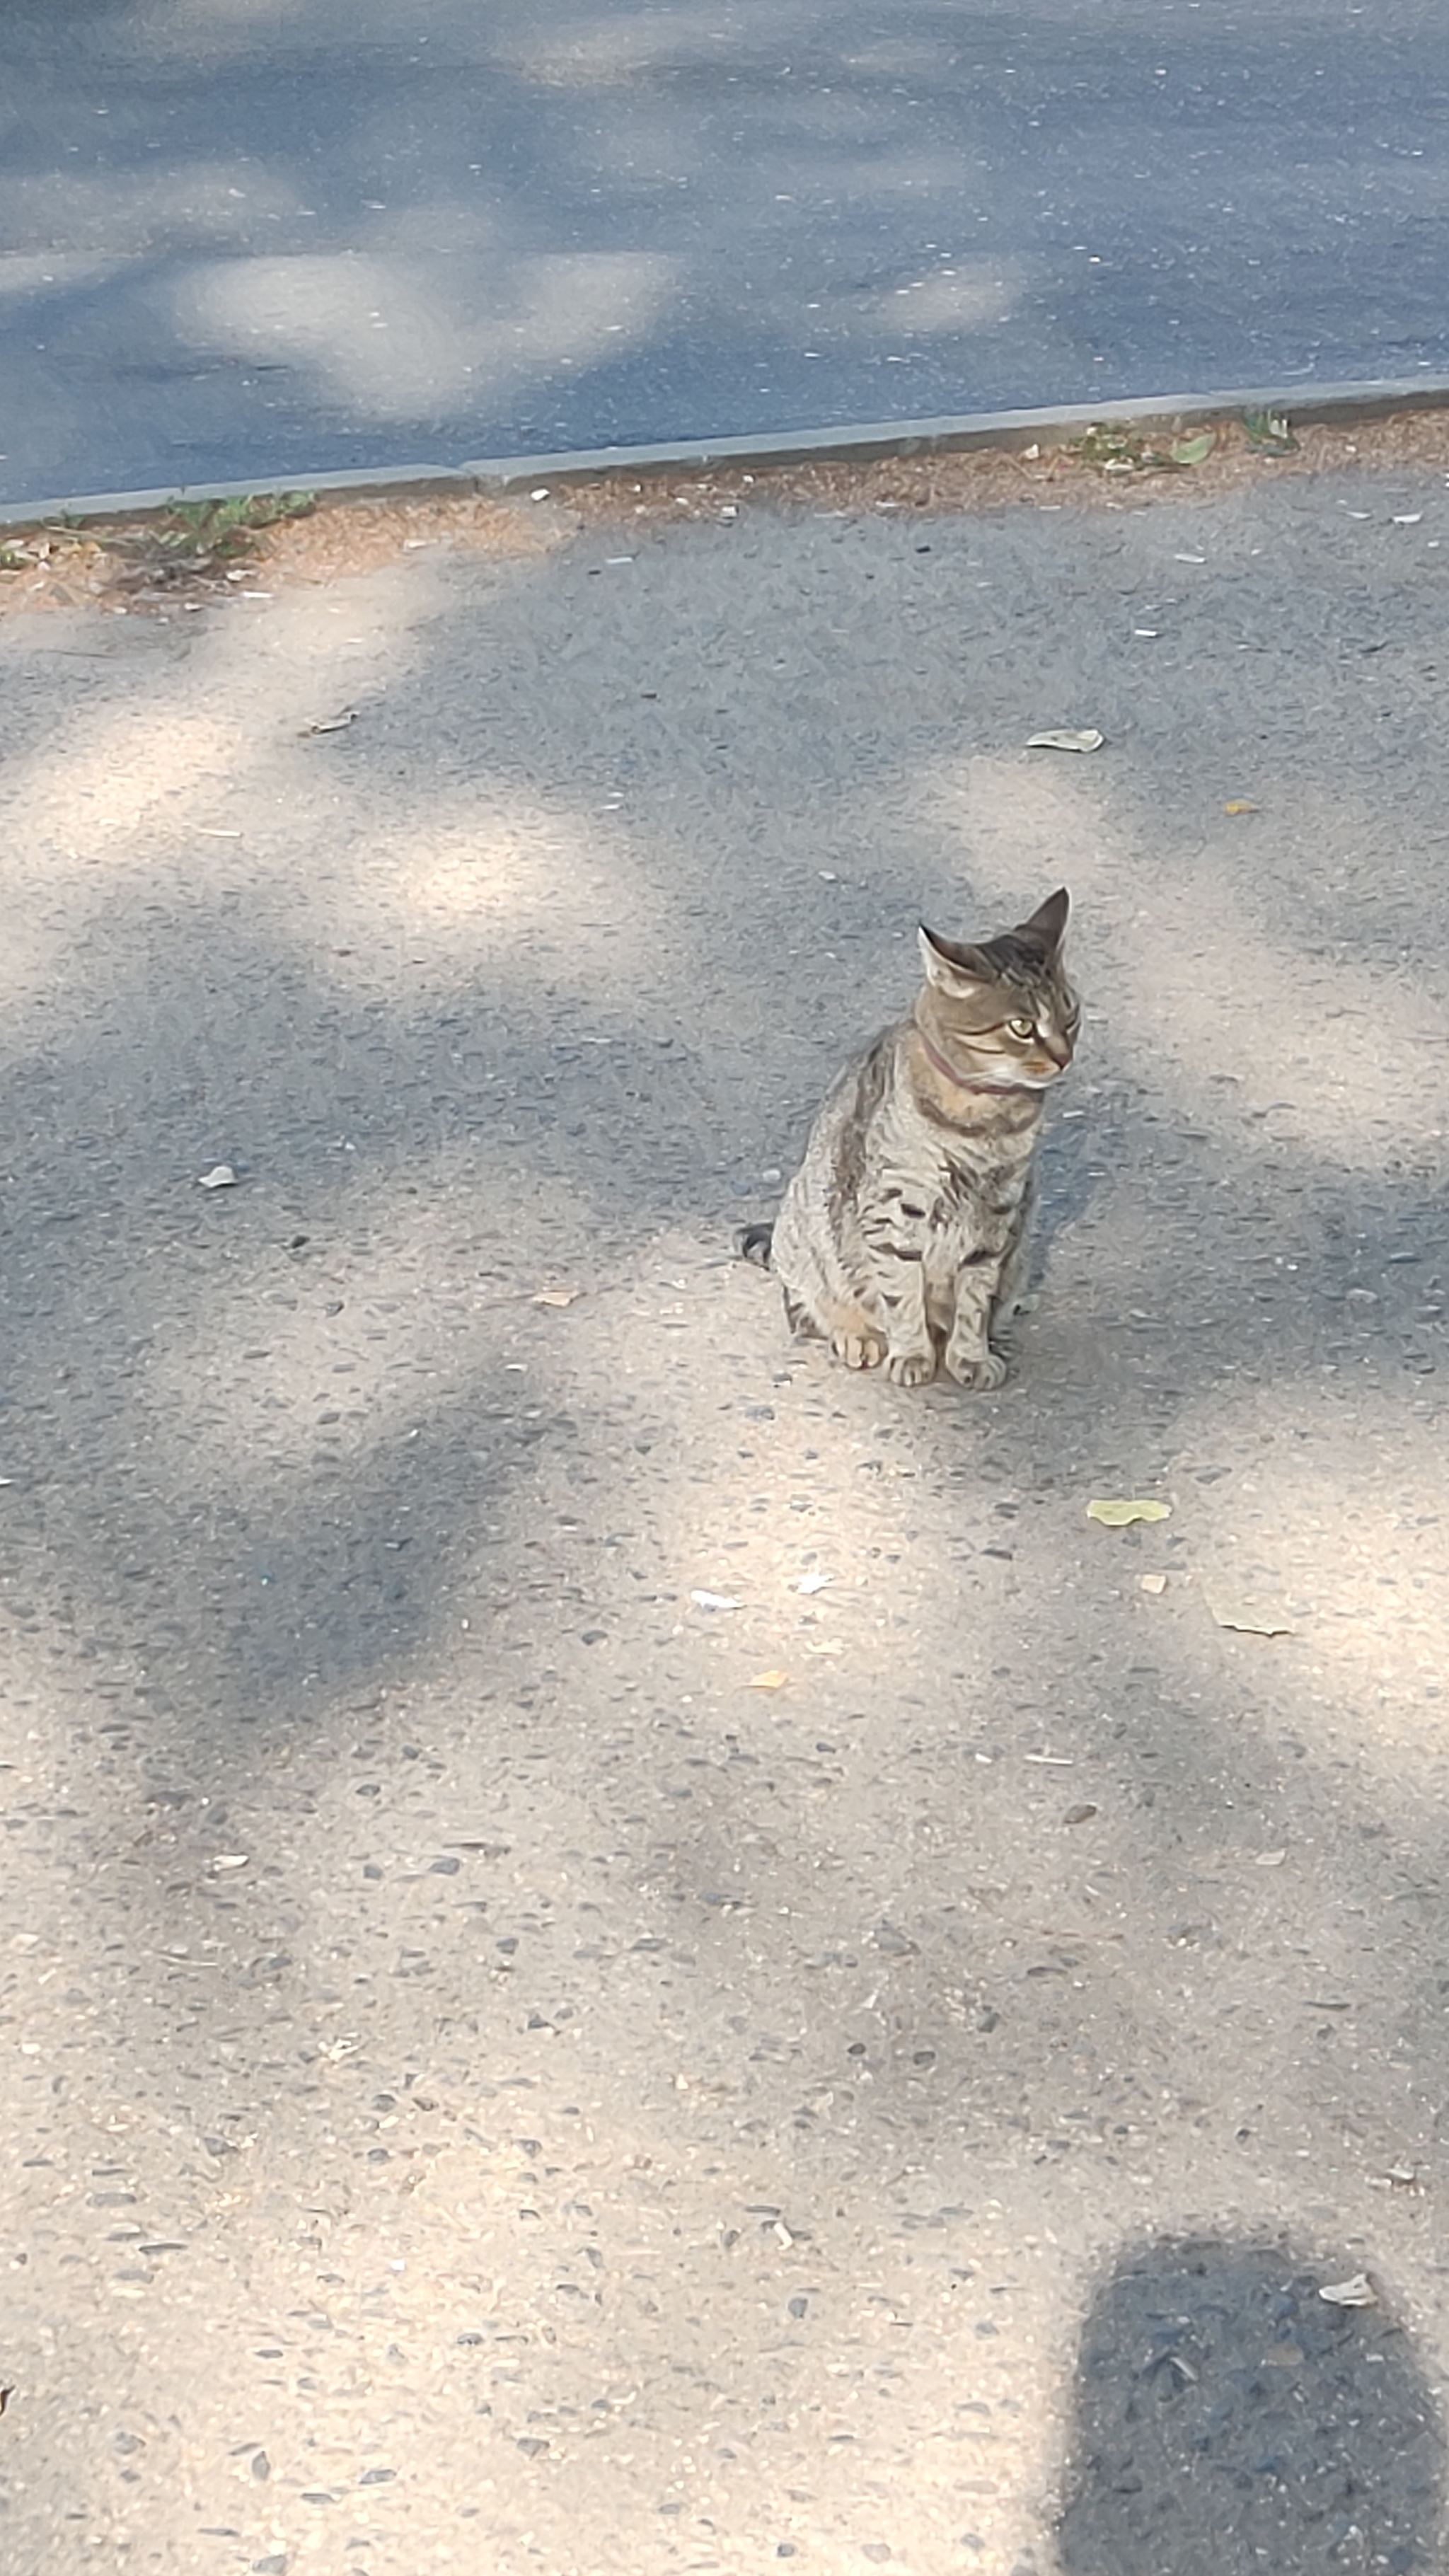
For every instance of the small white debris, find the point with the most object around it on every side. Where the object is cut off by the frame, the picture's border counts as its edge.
(814, 1582)
(1356, 2293)
(714, 1600)
(1066, 738)
(541, 494)
(220, 1177)
(1407, 518)
(230, 1860)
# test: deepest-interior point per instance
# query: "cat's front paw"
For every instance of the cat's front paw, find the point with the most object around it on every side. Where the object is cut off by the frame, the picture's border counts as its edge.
(976, 1370)
(858, 1350)
(911, 1368)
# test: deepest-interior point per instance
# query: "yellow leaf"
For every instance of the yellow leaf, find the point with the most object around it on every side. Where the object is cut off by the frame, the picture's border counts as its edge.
(557, 1296)
(768, 1681)
(1117, 1515)
(1240, 805)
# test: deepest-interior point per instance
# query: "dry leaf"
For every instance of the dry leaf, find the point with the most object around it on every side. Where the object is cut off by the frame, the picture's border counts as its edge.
(1066, 738)
(824, 1646)
(1356, 2293)
(1081, 1815)
(1246, 1617)
(220, 1177)
(771, 1681)
(1118, 1515)
(1154, 1583)
(1240, 805)
(557, 1296)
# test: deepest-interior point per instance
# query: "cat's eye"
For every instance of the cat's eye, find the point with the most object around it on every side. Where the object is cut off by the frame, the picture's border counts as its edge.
(1022, 1028)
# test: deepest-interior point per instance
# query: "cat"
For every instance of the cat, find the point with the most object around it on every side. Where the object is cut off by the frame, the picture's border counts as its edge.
(902, 1239)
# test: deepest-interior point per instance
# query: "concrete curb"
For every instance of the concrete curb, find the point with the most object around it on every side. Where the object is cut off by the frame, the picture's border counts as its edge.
(860, 443)
(848, 443)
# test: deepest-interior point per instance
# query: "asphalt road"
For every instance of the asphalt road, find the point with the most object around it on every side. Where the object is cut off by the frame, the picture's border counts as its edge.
(249, 239)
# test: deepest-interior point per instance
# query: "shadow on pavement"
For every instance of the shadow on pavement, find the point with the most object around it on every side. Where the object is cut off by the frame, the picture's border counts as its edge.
(1230, 2419)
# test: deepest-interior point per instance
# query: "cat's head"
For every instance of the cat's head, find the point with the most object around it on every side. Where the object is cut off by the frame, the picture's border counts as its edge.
(1003, 1007)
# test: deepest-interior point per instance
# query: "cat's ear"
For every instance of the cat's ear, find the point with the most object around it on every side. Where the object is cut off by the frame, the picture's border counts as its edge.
(1048, 924)
(952, 968)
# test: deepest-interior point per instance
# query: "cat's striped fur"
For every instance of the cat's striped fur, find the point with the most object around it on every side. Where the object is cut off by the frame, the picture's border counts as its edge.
(902, 1239)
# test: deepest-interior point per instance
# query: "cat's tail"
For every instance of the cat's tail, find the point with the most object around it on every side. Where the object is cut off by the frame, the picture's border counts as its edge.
(755, 1245)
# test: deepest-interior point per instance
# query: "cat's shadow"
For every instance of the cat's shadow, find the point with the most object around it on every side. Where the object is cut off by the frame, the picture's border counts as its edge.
(1066, 1185)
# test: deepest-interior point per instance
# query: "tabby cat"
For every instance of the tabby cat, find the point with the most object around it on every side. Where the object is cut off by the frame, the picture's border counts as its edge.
(902, 1237)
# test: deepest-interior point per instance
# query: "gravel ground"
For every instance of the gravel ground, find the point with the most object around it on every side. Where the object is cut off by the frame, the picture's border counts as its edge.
(513, 2066)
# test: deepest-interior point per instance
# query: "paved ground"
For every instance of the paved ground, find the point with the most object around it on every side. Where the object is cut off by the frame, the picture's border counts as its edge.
(259, 238)
(490, 2081)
